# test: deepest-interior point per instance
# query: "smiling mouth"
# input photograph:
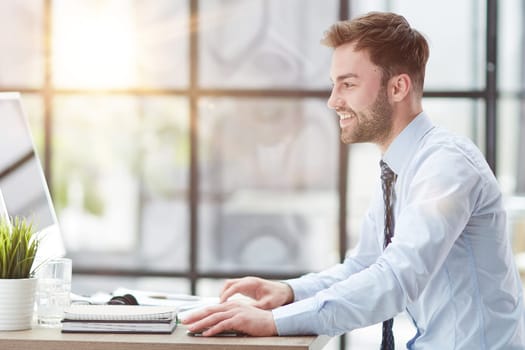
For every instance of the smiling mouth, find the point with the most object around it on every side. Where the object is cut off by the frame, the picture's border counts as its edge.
(345, 115)
(346, 119)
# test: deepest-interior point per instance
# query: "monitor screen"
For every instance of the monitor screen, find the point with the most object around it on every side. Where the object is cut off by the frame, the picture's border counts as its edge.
(23, 188)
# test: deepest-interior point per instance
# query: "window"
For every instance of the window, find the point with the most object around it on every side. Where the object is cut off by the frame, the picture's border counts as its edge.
(180, 157)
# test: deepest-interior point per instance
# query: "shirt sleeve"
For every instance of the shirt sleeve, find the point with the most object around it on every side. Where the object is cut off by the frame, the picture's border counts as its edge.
(437, 205)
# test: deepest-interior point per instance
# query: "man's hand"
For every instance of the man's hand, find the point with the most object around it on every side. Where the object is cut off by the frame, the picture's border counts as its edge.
(232, 316)
(267, 294)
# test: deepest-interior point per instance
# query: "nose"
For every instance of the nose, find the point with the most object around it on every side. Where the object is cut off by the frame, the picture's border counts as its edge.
(333, 101)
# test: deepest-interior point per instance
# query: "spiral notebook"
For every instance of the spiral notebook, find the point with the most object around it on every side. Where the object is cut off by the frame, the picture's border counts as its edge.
(119, 319)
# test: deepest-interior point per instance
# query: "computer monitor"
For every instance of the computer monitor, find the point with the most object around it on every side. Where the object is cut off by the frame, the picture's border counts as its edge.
(23, 187)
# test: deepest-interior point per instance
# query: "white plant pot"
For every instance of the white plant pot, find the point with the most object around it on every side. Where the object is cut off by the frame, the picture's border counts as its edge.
(17, 298)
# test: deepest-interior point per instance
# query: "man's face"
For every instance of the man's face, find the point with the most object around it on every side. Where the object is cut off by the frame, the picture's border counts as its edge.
(358, 97)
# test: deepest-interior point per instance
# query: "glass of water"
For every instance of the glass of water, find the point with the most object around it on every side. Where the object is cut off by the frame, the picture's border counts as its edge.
(53, 291)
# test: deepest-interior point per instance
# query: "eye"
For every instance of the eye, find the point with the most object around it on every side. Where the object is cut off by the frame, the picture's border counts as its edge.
(348, 85)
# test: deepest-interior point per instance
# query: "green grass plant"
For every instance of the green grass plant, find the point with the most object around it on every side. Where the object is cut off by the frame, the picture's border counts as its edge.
(18, 247)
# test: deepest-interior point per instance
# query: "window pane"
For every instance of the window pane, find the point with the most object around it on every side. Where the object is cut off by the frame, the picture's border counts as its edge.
(89, 285)
(462, 116)
(511, 172)
(363, 176)
(162, 43)
(21, 43)
(34, 110)
(120, 179)
(261, 44)
(268, 185)
(510, 146)
(511, 44)
(120, 44)
(455, 31)
(209, 287)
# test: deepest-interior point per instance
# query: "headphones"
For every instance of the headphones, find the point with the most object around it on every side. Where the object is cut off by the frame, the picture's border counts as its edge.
(126, 299)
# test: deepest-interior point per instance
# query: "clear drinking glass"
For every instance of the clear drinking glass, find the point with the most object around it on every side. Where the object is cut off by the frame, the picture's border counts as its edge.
(53, 291)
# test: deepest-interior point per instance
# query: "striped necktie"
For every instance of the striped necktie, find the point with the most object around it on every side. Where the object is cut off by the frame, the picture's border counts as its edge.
(388, 179)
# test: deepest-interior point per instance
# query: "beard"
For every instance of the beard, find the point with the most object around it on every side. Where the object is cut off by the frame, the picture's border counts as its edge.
(371, 125)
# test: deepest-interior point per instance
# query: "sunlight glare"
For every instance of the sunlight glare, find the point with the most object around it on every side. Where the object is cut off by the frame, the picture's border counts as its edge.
(96, 47)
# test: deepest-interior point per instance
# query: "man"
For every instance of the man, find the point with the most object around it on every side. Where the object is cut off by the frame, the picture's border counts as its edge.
(433, 242)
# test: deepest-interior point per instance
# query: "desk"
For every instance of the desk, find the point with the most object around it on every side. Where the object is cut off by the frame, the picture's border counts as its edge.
(53, 339)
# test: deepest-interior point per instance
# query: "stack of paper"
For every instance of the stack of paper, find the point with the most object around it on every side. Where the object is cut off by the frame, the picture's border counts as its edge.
(119, 319)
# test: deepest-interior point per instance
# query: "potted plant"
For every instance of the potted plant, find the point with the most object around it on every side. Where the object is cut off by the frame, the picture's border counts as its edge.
(18, 247)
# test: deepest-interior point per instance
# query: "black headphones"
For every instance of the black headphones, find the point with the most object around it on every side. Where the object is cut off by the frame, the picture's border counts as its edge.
(126, 299)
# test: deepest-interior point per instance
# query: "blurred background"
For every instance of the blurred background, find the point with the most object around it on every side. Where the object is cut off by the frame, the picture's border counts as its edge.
(188, 141)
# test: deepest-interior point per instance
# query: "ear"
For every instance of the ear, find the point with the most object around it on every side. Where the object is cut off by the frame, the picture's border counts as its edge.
(400, 86)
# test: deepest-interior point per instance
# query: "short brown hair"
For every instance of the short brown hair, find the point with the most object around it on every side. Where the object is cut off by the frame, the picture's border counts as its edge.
(392, 44)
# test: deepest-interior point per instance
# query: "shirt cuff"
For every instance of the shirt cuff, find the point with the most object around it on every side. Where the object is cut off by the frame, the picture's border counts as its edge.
(298, 288)
(298, 318)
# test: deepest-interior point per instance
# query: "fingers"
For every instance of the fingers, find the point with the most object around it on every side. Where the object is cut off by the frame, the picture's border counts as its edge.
(211, 323)
(223, 326)
(228, 283)
(245, 285)
(231, 289)
(234, 316)
(215, 319)
(195, 316)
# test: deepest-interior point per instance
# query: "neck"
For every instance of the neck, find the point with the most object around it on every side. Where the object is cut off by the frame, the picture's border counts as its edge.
(402, 115)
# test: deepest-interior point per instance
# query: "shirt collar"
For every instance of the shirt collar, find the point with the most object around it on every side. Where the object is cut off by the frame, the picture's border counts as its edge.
(401, 149)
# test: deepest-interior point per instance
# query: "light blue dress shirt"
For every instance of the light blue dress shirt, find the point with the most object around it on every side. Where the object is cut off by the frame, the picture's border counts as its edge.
(450, 264)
